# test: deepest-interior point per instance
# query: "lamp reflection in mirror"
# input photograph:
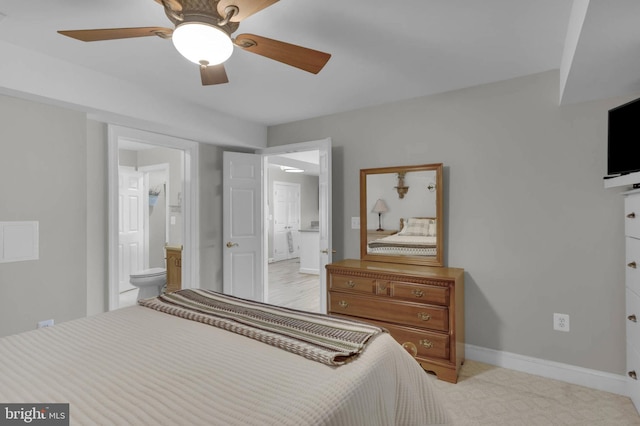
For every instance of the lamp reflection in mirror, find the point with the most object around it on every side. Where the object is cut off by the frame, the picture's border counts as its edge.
(380, 207)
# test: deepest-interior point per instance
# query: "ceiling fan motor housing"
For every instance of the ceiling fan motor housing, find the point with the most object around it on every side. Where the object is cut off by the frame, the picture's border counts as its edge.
(201, 11)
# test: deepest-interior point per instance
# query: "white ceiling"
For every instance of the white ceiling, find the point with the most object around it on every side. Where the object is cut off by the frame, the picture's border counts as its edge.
(382, 51)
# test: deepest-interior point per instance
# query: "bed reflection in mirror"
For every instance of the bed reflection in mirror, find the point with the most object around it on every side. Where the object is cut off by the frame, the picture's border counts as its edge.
(400, 214)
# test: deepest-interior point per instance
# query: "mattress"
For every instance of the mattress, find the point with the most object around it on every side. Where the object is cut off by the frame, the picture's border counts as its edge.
(140, 366)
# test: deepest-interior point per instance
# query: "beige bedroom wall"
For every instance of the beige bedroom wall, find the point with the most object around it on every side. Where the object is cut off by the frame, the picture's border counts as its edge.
(43, 175)
(526, 212)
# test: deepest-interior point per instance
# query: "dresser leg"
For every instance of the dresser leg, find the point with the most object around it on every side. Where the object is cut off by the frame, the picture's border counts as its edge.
(442, 373)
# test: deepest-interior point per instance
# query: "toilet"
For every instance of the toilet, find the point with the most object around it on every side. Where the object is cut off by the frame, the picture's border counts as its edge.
(149, 282)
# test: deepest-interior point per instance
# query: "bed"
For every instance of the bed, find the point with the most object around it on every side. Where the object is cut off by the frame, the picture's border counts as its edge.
(148, 365)
(417, 237)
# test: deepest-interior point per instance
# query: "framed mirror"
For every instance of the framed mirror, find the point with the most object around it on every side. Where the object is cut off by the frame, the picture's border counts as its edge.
(401, 218)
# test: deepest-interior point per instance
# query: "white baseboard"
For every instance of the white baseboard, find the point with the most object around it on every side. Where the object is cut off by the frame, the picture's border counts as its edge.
(309, 271)
(595, 379)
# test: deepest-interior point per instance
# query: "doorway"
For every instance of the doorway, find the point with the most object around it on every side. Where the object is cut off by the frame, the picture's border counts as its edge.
(150, 212)
(247, 231)
(166, 168)
(293, 247)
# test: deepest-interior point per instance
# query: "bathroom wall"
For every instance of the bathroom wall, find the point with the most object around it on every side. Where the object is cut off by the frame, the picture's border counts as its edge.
(175, 159)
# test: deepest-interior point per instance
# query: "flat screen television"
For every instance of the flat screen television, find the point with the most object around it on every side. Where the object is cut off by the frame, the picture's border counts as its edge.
(623, 154)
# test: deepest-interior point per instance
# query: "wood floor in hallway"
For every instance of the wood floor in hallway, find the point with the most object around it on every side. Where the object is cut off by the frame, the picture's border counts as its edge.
(292, 289)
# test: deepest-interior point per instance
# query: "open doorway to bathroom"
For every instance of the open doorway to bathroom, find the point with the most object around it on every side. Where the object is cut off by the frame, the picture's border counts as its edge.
(151, 181)
(181, 192)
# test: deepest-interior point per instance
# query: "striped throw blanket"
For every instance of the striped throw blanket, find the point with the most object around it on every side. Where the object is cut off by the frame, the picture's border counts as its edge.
(331, 341)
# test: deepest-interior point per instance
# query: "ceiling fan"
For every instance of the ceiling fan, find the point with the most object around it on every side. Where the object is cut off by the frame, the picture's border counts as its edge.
(202, 34)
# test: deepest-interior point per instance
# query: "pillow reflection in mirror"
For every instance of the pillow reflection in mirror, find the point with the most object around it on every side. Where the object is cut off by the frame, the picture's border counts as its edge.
(418, 226)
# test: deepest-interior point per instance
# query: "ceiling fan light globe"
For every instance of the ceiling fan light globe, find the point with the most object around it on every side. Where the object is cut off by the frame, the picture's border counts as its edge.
(200, 42)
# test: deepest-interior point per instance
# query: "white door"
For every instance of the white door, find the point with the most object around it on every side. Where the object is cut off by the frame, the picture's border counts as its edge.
(243, 258)
(131, 225)
(286, 220)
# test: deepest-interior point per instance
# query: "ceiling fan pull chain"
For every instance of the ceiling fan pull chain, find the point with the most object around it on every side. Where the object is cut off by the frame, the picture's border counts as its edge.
(229, 12)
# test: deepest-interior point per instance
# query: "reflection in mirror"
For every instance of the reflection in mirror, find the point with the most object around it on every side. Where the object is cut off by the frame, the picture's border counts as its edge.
(401, 214)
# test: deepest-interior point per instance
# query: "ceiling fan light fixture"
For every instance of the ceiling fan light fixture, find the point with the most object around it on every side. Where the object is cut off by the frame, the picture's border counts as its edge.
(202, 43)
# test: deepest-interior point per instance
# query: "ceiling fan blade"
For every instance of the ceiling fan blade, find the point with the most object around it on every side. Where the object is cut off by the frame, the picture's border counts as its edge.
(213, 74)
(297, 56)
(246, 8)
(117, 33)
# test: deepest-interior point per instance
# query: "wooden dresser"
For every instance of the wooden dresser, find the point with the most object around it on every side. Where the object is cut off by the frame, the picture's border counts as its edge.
(421, 306)
(174, 268)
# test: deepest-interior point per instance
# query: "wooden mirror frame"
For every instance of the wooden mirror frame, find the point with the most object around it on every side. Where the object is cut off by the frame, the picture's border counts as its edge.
(436, 260)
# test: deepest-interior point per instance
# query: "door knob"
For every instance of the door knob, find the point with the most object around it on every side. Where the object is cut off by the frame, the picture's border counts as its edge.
(230, 244)
(326, 251)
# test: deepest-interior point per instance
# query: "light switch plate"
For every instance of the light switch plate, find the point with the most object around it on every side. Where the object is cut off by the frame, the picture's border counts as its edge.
(355, 222)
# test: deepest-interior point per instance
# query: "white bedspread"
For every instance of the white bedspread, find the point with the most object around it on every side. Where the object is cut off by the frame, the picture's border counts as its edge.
(137, 366)
(398, 244)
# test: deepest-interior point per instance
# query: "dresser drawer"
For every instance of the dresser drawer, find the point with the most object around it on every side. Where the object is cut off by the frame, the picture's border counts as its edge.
(633, 311)
(419, 293)
(420, 343)
(376, 308)
(354, 284)
(633, 367)
(632, 216)
(632, 264)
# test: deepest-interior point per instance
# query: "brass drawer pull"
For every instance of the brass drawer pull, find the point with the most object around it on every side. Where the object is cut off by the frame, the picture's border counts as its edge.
(426, 343)
(631, 215)
(383, 287)
(632, 374)
(343, 304)
(424, 316)
(632, 265)
(411, 348)
(351, 284)
(417, 293)
(632, 318)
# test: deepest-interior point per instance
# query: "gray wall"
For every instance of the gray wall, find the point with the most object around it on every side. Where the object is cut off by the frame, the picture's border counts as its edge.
(526, 213)
(44, 178)
(210, 169)
(97, 238)
(55, 172)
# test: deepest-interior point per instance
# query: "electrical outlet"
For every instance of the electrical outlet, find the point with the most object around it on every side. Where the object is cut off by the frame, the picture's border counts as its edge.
(45, 323)
(561, 322)
(355, 222)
